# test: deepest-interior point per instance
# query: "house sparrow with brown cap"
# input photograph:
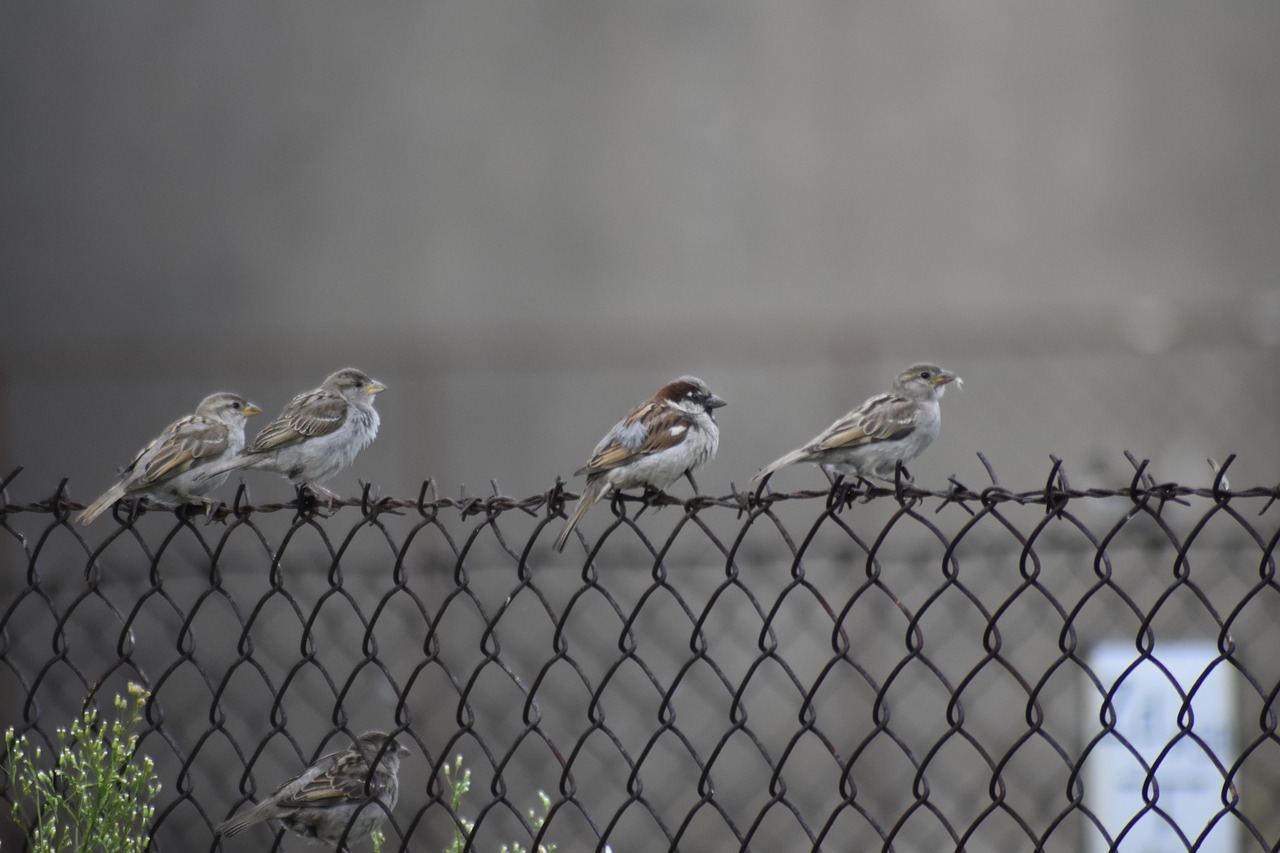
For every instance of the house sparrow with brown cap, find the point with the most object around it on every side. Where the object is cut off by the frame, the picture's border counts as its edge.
(318, 434)
(653, 446)
(887, 429)
(171, 469)
(322, 801)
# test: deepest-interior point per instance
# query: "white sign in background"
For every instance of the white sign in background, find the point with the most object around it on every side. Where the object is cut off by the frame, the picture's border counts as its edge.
(1146, 706)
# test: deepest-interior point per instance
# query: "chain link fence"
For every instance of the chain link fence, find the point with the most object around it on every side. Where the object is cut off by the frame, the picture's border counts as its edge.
(874, 666)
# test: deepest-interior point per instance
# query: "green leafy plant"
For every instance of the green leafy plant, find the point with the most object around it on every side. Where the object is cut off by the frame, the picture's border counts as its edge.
(537, 819)
(458, 778)
(97, 795)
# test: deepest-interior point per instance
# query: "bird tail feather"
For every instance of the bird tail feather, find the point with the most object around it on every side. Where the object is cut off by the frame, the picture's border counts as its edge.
(244, 820)
(100, 506)
(591, 494)
(238, 461)
(790, 459)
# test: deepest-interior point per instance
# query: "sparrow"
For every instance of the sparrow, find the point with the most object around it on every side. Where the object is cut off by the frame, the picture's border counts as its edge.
(170, 469)
(654, 445)
(317, 435)
(320, 802)
(886, 429)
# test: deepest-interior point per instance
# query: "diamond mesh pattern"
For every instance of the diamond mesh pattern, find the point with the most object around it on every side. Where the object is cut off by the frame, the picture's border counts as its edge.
(863, 668)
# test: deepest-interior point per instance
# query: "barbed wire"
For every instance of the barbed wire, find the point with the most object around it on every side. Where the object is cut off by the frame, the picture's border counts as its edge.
(1055, 493)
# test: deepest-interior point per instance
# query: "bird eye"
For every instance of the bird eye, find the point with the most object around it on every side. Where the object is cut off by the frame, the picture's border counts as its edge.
(924, 374)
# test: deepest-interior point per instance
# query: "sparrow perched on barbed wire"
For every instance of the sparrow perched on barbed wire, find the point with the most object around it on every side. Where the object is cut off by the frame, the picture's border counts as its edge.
(887, 429)
(172, 468)
(654, 445)
(318, 434)
(321, 801)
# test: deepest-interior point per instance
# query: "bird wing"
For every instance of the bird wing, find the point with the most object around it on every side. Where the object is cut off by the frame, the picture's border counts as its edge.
(884, 418)
(336, 779)
(307, 416)
(647, 429)
(179, 447)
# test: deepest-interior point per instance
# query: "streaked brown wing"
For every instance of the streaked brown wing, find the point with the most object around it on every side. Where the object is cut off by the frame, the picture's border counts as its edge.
(131, 469)
(319, 795)
(647, 429)
(307, 416)
(341, 783)
(879, 419)
(182, 446)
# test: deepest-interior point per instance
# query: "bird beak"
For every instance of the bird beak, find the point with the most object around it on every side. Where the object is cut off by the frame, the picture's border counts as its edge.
(946, 376)
(714, 402)
(250, 410)
(375, 387)
(404, 750)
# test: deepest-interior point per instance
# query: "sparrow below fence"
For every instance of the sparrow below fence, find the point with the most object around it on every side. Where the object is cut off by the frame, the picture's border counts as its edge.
(317, 435)
(654, 445)
(172, 468)
(886, 429)
(322, 801)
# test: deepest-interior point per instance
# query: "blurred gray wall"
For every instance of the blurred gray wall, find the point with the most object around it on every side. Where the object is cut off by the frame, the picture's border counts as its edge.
(526, 217)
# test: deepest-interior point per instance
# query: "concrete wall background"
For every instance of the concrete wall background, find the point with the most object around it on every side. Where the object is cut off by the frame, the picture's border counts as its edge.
(526, 217)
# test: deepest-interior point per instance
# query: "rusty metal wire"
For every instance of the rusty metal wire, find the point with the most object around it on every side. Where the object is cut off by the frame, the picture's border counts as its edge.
(871, 666)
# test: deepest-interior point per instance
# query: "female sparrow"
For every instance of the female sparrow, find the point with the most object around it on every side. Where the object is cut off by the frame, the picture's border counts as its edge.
(887, 429)
(318, 434)
(170, 469)
(654, 445)
(321, 801)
